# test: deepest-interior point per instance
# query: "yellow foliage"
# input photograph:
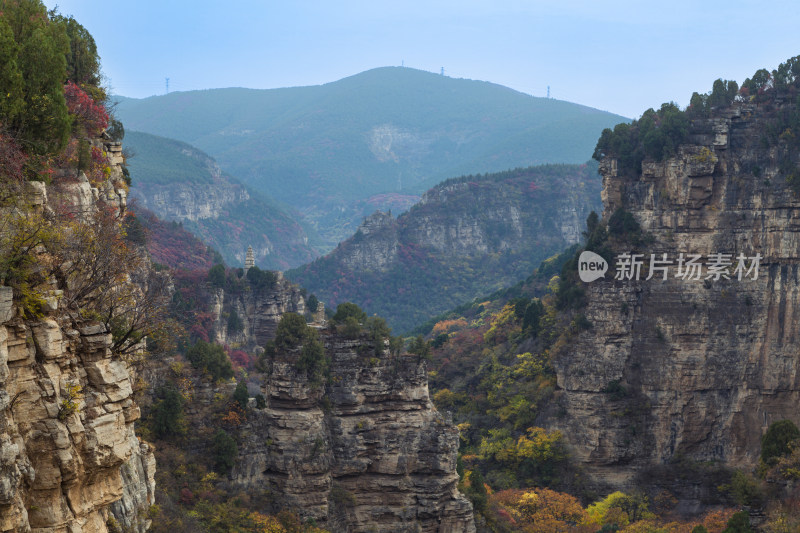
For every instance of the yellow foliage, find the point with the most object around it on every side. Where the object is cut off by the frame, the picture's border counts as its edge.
(598, 511)
(536, 445)
(446, 326)
(502, 317)
(540, 510)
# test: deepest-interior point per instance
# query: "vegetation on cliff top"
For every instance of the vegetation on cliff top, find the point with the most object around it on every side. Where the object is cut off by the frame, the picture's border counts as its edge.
(657, 135)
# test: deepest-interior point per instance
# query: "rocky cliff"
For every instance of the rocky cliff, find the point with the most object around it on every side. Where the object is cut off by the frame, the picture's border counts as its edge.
(69, 457)
(180, 183)
(367, 452)
(692, 368)
(465, 238)
(259, 310)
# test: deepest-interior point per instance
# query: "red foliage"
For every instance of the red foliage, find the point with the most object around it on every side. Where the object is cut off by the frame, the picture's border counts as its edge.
(187, 497)
(198, 332)
(171, 245)
(242, 359)
(12, 159)
(91, 115)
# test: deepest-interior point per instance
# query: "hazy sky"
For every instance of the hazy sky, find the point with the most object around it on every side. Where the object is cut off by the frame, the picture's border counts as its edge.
(620, 56)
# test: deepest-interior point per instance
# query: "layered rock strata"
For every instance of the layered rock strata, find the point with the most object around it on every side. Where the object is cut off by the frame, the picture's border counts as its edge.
(692, 368)
(69, 458)
(367, 453)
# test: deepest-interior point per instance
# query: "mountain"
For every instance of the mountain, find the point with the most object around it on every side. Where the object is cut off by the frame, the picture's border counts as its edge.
(183, 184)
(467, 236)
(669, 382)
(392, 130)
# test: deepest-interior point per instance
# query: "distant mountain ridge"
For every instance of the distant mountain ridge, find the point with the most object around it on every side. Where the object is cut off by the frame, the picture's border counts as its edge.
(325, 149)
(466, 237)
(181, 183)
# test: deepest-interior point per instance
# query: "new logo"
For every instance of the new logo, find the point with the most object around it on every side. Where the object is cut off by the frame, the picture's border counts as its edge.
(591, 266)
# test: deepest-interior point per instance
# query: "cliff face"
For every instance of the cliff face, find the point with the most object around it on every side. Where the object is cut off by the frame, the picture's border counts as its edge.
(465, 238)
(371, 455)
(184, 201)
(69, 458)
(259, 311)
(689, 368)
(180, 183)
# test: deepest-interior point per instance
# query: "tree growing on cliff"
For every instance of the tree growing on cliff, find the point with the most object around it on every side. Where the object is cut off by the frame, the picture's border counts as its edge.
(777, 441)
(167, 418)
(32, 76)
(210, 358)
(225, 451)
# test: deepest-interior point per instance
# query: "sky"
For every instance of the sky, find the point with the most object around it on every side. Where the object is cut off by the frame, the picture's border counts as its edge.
(619, 56)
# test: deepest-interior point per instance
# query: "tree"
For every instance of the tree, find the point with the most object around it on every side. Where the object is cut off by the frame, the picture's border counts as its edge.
(291, 331)
(210, 358)
(420, 347)
(312, 304)
(167, 418)
(102, 277)
(348, 309)
(225, 451)
(739, 523)
(261, 279)
(477, 491)
(312, 359)
(39, 110)
(240, 395)
(379, 331)
(83, 63)
(235, 323)
(216, 276)
(776, 441)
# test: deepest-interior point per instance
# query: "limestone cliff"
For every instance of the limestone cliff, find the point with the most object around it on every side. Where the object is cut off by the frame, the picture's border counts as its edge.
(69, 458)
(467, 237)
(181, 183)
(259, 309)
(367, 452)
(692, 368)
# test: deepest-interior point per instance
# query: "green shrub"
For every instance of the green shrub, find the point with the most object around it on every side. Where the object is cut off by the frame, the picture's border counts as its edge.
(261, 279)
(346, 310)
(224, 451)
(167, 415)
(216, 276)
(291, 331)
(775, 442)
(235, 323)
(739, 523)
(210, 358)
(312, 304)
(240, 395)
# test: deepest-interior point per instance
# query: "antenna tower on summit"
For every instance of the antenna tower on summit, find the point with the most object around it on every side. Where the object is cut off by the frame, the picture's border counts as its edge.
(548, 91)
(167, 83)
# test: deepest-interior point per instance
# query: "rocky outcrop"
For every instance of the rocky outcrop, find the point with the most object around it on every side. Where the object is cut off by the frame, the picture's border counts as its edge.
(466, 237)
(681, 367)
(259, 311)
(366, 453)
(187, 201)
(69, 458)
(374, 246)
(180, 183)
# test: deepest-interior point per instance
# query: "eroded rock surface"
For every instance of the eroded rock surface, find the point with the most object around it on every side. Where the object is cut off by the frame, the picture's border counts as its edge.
(685, 368)
(371, 454)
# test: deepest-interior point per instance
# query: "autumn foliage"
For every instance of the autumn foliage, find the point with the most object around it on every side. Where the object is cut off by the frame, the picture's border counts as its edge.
(88, 115)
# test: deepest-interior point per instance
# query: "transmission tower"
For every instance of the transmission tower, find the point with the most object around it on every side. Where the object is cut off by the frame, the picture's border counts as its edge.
(167, 82)
(548, 91)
